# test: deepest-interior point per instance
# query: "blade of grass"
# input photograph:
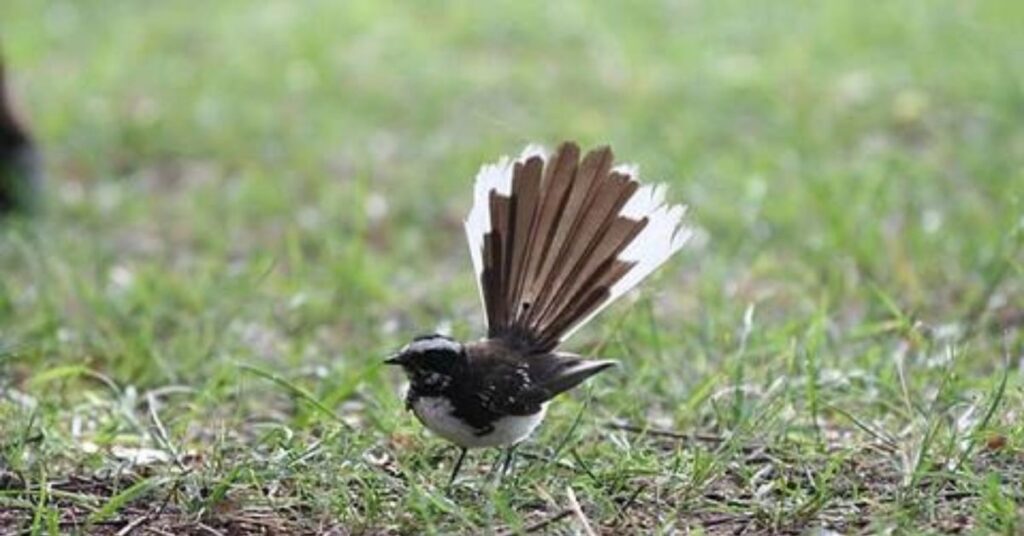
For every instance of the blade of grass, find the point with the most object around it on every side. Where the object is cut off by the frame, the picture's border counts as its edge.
(297, 391)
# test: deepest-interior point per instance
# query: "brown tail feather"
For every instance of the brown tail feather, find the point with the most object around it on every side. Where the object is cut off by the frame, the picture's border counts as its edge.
(597, 239)
(526, 185)
(558, 183)
(566, 226)
(555, 241)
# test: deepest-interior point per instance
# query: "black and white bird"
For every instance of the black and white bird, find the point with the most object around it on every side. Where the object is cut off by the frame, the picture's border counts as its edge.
(19, 162)
(554, 240)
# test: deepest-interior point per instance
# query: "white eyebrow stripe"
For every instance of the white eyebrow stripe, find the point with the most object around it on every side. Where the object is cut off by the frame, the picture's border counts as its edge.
(431, 345)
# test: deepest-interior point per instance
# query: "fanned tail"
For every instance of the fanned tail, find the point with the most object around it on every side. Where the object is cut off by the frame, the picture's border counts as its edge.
(554, 240)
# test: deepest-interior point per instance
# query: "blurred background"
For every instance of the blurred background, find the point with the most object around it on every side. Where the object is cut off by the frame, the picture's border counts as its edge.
(820, 145)
(281, 184)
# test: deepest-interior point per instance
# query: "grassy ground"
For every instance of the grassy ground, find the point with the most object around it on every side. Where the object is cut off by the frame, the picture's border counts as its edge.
(252, 203)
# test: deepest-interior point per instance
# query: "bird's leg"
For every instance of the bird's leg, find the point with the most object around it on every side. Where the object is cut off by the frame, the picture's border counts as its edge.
(458, 465)
(510, 454)
(496, 466)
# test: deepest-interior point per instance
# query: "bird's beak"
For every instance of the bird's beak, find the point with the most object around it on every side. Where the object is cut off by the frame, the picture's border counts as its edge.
(395, 359)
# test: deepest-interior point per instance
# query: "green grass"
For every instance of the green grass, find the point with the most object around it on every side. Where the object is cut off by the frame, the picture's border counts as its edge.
(250, 204)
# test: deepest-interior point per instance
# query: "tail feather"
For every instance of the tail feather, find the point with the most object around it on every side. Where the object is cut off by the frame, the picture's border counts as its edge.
(602, 234)
(526, 199)
(595, 165)
(570, 371)
(554, 240)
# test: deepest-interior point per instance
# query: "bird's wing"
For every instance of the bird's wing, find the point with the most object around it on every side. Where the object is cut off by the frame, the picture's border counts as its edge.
(500, 384)
(520, 387)
(554, 239)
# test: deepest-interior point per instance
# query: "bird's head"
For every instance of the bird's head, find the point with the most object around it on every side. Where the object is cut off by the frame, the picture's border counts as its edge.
(430, 360)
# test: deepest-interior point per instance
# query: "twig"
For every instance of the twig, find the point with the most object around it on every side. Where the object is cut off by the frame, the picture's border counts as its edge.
(132, 525)
(576, 509)
(544, 523)
(168, 497)
(721, 520)
(699, 438)
(208, 529)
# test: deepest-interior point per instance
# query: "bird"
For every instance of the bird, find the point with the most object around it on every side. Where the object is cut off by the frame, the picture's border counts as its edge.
(554, 238)
(19, 160)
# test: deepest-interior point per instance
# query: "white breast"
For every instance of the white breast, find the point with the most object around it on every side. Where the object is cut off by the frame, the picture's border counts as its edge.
(436, 414)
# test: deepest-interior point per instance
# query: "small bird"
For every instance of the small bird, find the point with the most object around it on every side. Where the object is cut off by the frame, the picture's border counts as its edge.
(19, 161)
(554, 240)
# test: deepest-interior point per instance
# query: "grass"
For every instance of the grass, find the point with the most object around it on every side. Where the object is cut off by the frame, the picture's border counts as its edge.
(252, 203)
